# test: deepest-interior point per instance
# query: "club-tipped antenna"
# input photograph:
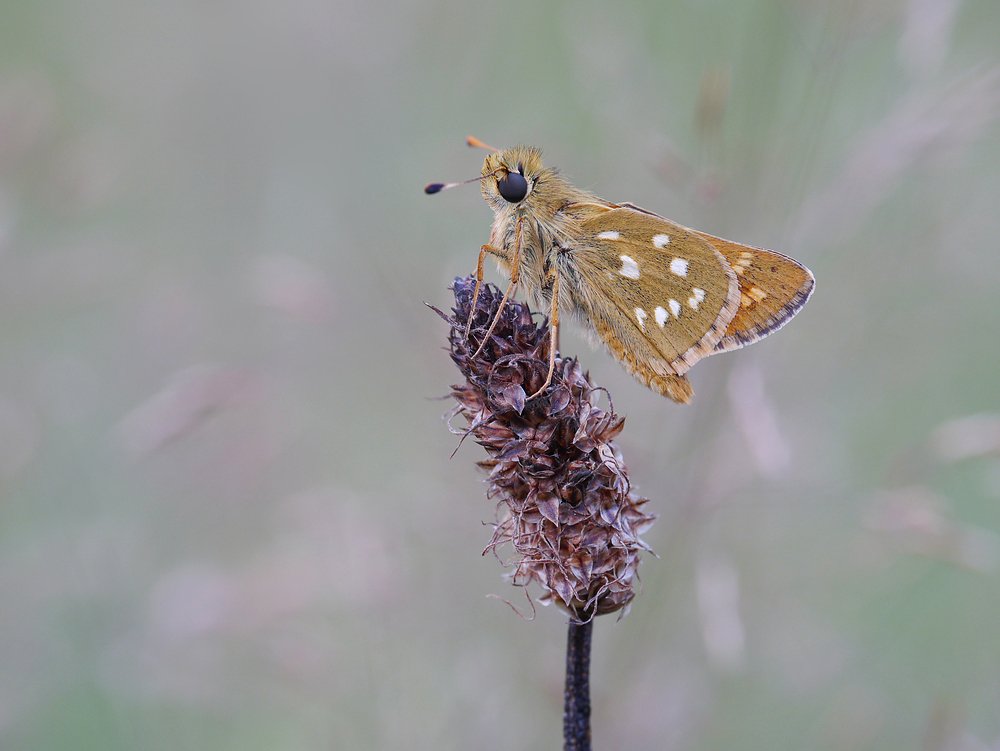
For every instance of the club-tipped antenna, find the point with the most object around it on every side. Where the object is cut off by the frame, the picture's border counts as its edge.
(477, 144)
(433, 188)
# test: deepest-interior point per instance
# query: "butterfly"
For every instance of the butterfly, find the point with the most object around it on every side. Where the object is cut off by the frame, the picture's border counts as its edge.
(658, 295)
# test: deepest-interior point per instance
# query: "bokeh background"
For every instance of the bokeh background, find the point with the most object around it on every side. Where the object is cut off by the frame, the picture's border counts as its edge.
(229, 519)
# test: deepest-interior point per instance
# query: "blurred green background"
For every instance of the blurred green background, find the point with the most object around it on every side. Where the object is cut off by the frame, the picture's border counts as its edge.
(229, 517)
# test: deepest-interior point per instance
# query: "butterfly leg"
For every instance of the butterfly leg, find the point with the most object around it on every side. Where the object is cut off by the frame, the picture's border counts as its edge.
(553, 333)
(475, 292)
(515, 263)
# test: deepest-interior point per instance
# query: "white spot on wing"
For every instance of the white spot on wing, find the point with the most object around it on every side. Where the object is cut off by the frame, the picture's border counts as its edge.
(660, 240)
(675, 307)
(630, 268)
(697, 295)
(679, 266)
(641, 315)
(661, 315)
(608, 235)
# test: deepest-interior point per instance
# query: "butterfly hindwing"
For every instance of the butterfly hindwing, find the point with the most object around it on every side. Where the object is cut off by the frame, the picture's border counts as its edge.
(668, 285)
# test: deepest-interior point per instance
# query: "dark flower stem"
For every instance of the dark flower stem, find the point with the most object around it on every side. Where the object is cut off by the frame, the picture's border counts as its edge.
(576, 710)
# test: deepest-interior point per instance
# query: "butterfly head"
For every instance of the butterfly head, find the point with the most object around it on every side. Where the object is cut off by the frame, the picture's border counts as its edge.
(514, 178)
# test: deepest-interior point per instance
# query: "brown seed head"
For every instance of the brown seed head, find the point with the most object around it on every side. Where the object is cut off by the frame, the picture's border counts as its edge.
(565, 503)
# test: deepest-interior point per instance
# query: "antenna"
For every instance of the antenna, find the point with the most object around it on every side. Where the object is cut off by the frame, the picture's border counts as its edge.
(475, 143)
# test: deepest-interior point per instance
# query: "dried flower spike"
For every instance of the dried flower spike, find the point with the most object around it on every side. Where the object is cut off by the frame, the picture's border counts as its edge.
(564, 499)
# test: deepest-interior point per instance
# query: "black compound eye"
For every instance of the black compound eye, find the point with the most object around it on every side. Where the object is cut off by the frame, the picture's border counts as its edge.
(513, 187)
